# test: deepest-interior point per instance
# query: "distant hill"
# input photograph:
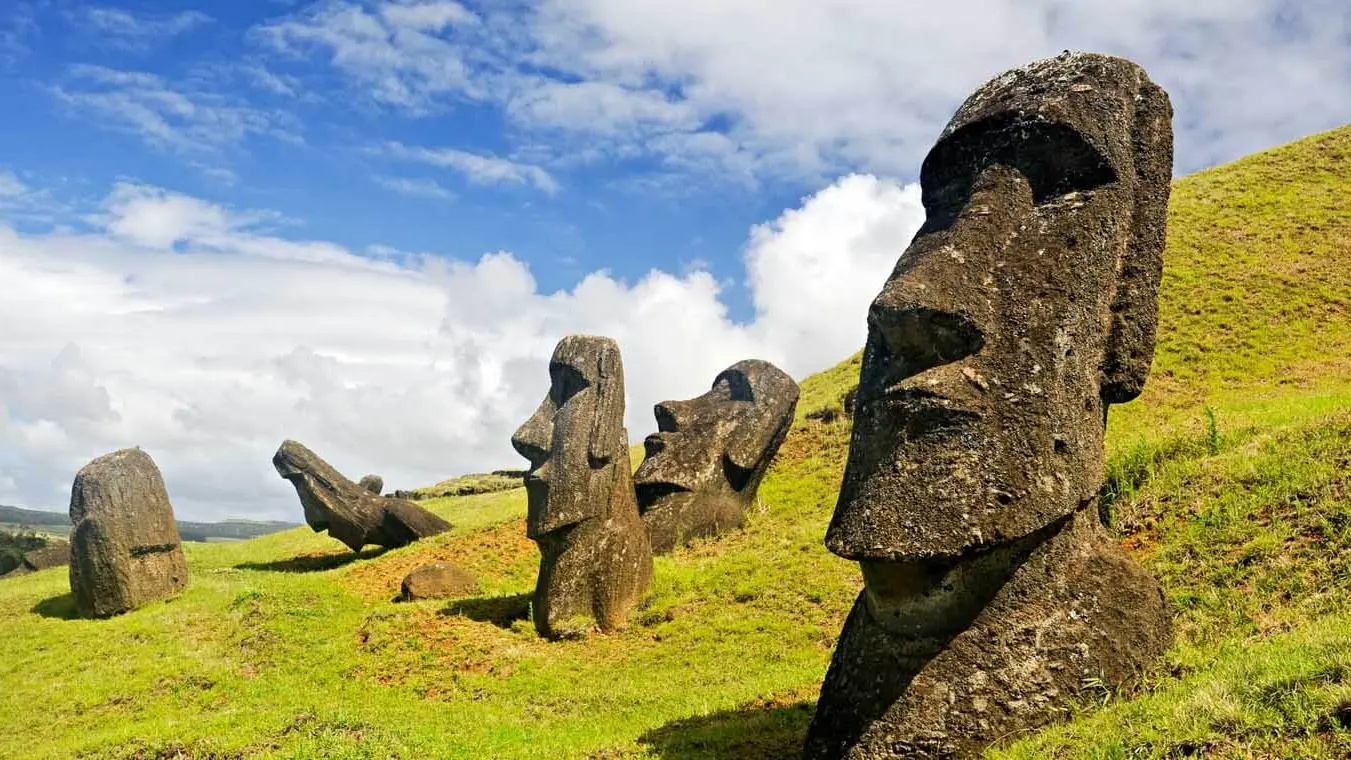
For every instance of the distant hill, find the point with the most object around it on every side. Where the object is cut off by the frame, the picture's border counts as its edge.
(57, 522)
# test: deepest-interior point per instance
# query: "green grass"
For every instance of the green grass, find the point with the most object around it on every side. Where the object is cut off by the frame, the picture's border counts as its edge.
(1229, 478)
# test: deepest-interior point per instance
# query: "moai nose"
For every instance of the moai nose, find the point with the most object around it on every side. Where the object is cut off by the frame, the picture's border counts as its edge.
(921, 336)
(672, 416)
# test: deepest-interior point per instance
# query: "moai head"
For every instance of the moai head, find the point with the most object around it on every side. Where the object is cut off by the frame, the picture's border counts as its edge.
(575, 440)
(1023, 307)
(331, 501)
(704, 465)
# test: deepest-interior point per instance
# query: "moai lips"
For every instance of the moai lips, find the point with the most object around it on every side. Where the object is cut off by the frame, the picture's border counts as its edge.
(1024, 307)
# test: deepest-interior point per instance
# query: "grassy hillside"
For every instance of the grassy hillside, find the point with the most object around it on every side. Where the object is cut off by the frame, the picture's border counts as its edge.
(1231, 479)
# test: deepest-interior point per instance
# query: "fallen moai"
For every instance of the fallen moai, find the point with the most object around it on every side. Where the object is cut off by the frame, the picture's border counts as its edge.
(1024, 307)
(705, 463)
(350, 513)
(595, 557)
(124, 547)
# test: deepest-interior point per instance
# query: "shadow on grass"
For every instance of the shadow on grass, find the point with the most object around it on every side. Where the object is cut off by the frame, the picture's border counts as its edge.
(501, 611)
(61, 607)
(312, 563)
(754, 732)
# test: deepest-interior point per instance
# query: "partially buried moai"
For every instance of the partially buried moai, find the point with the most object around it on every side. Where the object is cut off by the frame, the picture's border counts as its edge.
(595, 560)
(1024, 307)
(710, 453)
(125, 549)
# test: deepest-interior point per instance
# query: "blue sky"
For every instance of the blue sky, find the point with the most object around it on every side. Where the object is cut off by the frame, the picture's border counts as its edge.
(365, 223)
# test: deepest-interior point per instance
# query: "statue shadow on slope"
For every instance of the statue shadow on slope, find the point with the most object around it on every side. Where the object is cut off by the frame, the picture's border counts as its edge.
(61, 607)
(312, 563)
(753, 732)
(501, 611)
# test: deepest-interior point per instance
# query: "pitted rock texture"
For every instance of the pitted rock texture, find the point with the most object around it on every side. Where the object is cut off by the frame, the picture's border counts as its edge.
(439, 580)
(124, 548)
(704, 465)
(595, 557)
(349, 512)
(1024, 307)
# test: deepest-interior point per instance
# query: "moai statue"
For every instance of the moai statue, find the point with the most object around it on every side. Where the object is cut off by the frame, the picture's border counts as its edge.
(1024, 307)
(706, 462)
(351, 513)
(595, 560)
(124, 548)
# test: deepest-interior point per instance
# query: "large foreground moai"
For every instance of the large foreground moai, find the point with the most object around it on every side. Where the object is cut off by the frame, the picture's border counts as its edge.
(595, 560)
(351, 513)
(124, 547)
(1024, 307)
(706, 462)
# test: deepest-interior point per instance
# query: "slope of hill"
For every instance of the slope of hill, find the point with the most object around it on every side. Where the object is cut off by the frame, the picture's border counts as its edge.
(1230, 478)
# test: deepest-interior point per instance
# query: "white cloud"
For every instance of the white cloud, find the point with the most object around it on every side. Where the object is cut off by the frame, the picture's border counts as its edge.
(392, 49)
(187, 328)
(479, 169)
(166, 116)
(415, 187)
(139, 32)
(807, 89)
(10, 185)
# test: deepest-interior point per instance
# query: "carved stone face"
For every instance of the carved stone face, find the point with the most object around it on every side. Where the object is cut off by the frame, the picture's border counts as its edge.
(576, 438)
(706, 461)
(1021, 310)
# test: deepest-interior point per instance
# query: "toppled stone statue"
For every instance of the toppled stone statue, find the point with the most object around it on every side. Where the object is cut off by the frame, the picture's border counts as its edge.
(373, 483)
(1024, 307)
(54, 554)
(595, 560)
(124, 547)
(438, 580)
(349, 512)
(707, 459)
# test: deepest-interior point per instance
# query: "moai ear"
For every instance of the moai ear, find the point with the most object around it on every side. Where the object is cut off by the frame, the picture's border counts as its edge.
(607, 428)
(1135, 315)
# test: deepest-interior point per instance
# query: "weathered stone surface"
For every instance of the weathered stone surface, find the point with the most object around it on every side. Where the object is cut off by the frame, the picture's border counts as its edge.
(710, 453)
(595, 560)
(349, 512)
(1024, 307)
(373, 483)
(439, 580)
(124, 549)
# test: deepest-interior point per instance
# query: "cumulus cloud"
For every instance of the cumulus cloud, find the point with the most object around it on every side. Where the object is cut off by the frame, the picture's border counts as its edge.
(808, 89)
(193, 330)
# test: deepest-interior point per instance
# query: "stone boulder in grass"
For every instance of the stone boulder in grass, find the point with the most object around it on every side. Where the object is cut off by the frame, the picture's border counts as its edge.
(124, 549)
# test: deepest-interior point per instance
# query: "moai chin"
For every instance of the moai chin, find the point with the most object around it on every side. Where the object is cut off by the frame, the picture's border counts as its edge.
(595, 557)
(1023, 308)
(705, 463)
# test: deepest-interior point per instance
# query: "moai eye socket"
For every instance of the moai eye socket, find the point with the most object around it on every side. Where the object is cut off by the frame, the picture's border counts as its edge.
(1054, 158)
